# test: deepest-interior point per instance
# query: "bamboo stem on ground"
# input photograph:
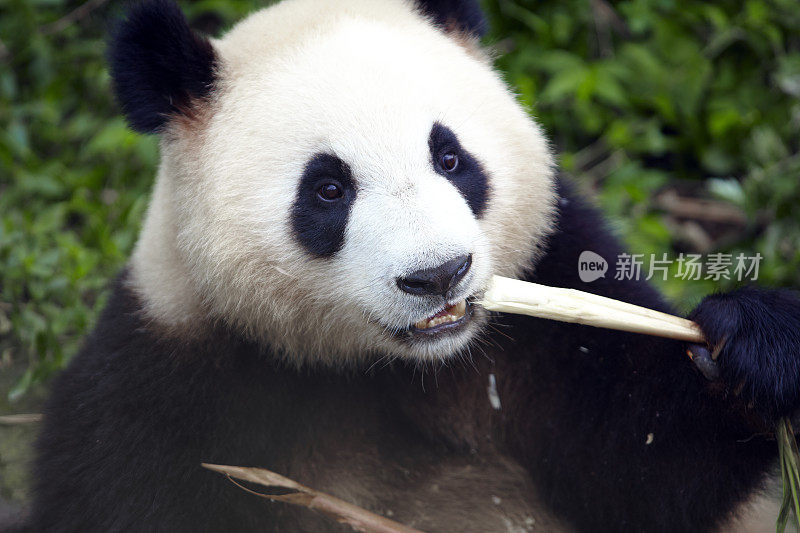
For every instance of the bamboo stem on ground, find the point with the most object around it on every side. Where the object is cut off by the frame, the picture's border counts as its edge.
(356, 517)
(13, 420)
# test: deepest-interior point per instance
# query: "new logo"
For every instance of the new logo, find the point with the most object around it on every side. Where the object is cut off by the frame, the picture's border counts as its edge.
(591, 266)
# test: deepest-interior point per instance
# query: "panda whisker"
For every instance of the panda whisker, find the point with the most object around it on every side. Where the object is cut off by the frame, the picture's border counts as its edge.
(495, 328)
(376, 362)
(469, 359)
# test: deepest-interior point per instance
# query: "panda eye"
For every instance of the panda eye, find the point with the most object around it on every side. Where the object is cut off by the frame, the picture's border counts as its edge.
(330, 191)
(449, 161)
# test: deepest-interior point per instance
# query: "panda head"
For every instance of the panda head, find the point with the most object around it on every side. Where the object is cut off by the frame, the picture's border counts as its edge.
(339, 179)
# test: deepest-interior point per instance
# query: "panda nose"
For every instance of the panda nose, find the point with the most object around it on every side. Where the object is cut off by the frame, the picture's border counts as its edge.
(438, 280)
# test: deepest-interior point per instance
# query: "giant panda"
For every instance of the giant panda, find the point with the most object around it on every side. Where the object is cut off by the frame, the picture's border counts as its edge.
(338, 181)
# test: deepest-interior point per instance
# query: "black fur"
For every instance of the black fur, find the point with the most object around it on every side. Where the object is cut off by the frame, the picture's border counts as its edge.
(598, 394)
(760, 330)
(320, 225)
(159, 66)
(134, 415)
(136, 412)
(468, 176)
(466, 15)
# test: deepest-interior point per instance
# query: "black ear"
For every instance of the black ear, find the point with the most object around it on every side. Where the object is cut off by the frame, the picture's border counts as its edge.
(159, 66)
(464, 15)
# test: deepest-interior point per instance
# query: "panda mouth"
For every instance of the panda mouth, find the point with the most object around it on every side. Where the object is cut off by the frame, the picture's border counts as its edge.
(451, 317)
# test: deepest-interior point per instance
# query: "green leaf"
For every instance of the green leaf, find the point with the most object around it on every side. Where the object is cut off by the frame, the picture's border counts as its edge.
(789, 459)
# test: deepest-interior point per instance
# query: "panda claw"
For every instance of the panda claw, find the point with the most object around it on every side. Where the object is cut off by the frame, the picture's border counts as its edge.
(704, 361)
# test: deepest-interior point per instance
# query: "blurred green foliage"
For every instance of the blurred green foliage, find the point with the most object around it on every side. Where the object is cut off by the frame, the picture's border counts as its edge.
(637, 95)
(74, 181)
(642, 95)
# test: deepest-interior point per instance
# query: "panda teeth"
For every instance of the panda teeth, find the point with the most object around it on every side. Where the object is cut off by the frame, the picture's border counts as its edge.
(451, 313)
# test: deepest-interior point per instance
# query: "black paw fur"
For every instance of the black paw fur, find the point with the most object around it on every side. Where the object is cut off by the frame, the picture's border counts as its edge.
(759, 334)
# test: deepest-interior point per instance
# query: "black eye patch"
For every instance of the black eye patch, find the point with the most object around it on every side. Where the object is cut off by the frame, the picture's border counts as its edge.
(322, 205)
(467, 175)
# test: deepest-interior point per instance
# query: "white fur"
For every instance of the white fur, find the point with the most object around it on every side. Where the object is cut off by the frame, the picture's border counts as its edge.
(364, 80)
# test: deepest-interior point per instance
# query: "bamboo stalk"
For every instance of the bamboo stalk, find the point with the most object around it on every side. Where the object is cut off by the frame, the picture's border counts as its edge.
(569, 305)
(12, 420)
(356, 517)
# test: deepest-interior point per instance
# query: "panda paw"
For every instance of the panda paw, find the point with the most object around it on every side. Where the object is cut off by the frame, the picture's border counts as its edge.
(757, 334)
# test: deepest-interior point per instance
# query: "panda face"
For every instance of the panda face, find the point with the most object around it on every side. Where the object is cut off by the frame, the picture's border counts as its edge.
(355, 180)
(402, 240)
(402, 237)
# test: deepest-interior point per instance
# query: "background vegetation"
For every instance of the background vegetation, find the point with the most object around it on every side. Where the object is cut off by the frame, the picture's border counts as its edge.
(681, 118)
